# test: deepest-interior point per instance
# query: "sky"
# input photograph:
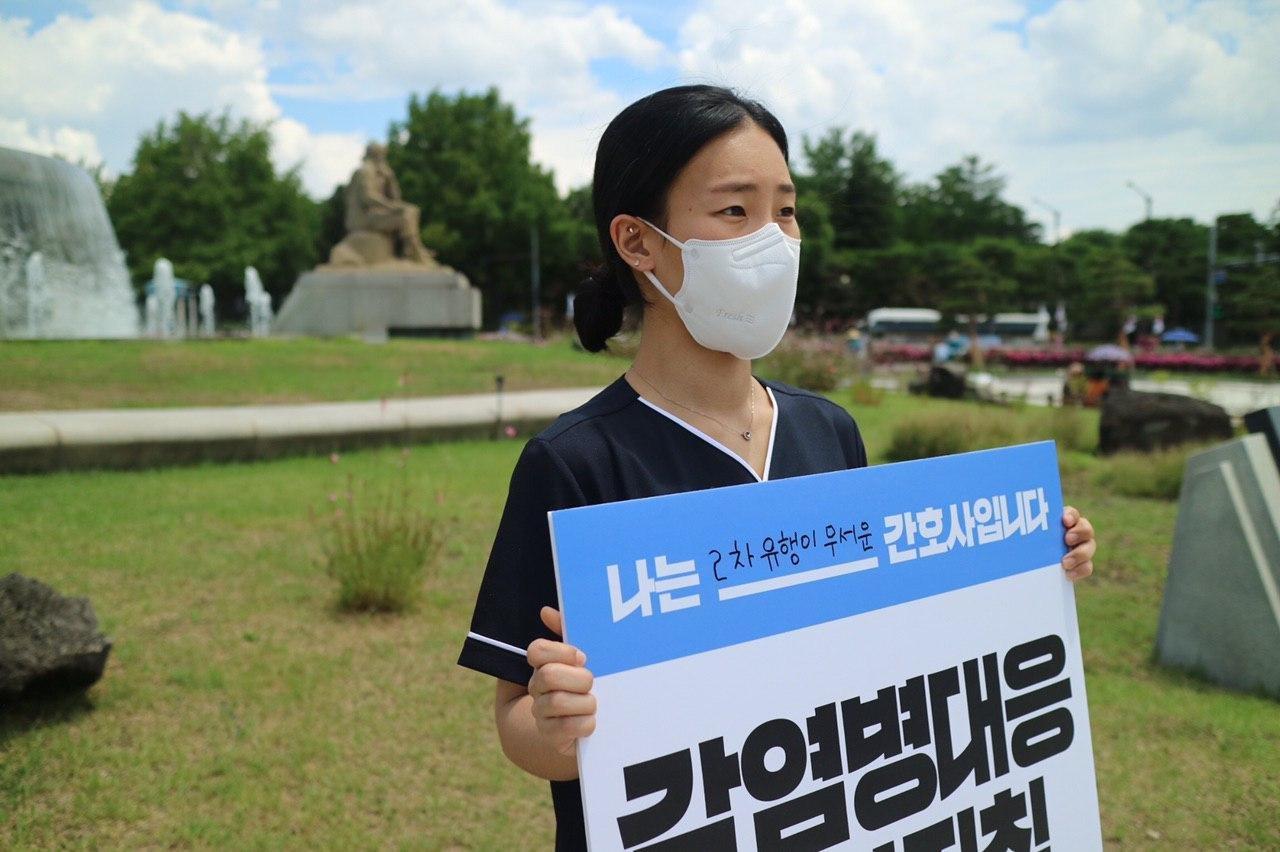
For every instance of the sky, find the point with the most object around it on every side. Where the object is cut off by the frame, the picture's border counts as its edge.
(1072, 100)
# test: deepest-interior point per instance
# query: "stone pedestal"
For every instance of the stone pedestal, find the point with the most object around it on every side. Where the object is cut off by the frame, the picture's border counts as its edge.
(406, 299)
(1221, 611)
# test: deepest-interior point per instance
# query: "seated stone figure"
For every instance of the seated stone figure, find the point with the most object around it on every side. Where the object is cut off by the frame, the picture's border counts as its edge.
(381, 226)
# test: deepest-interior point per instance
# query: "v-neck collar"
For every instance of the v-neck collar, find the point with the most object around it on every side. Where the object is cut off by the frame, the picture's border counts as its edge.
(773, 429)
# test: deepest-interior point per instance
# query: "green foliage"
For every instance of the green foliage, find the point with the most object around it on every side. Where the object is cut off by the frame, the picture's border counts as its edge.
(858, 187)
(465, 160)
(962, 203)
(204, 194)
(965, 427)
(379, 547)
(1174, 253)
(810, 363)
(1156, 474)
(1102, 284)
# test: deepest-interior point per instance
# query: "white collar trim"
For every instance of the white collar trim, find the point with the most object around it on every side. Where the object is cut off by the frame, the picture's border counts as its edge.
(773, 431)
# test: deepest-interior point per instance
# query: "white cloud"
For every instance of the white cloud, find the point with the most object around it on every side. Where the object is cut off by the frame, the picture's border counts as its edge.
(539, 55)
(75, 145)
(1178, 97)
(88, 87)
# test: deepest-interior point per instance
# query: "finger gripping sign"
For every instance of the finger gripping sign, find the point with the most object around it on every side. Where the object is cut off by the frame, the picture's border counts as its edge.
(884, 659)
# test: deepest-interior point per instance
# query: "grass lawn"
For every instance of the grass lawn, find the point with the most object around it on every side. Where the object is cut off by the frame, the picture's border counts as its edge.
(238, 710)
(65, 374)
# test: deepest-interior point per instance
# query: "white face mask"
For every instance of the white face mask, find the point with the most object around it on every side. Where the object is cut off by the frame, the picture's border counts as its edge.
(737, 294)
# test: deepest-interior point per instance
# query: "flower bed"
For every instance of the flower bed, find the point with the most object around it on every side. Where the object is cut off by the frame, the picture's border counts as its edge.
(1197, 362)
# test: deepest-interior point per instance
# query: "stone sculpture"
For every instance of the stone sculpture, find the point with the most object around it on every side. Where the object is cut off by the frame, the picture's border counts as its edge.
(382, 228)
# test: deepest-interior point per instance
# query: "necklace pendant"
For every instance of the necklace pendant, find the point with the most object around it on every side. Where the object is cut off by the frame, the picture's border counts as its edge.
(746, 436)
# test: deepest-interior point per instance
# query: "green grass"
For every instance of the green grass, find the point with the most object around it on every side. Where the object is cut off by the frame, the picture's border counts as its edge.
(241, 709)
(53, 375)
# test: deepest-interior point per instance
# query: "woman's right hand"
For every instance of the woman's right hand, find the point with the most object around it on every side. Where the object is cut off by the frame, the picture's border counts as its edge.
(563, 707)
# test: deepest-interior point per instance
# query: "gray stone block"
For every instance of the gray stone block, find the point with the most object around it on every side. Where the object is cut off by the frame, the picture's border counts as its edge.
(377, 302)
(1266, 422)
(1221, 611)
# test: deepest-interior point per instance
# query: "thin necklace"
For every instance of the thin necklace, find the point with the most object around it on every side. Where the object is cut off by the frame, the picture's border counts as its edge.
(745, 433)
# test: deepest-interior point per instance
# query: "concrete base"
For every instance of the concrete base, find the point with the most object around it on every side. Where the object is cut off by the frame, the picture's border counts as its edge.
(1221, 611)
(42, 441)
(379, 302)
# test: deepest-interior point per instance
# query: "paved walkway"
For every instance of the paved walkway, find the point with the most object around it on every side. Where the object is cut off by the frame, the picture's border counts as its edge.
(36, 441)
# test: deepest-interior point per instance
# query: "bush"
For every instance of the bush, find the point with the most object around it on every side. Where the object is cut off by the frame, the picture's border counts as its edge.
(810, 363)
(964, 428)
(377, 545)
(864, 393)
(1157, 474)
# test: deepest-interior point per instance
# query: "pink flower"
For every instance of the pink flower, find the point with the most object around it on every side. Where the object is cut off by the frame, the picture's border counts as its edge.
(510, 431)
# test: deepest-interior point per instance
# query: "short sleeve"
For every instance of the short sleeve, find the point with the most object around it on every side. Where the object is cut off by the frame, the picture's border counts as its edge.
(519, 578)
(855, 451)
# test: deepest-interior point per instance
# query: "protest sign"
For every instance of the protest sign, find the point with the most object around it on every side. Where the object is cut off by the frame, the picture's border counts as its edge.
(884, 658)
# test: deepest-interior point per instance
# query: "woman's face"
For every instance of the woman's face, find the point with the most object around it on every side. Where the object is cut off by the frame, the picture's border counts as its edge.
(737, 184)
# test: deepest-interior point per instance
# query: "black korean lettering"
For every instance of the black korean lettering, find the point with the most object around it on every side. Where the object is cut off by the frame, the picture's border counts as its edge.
(825, 761)
(715, 566)
(1001, 820)
(672, 775)
(828, 803)
(913, 702)
(831, 538)
(1039, 813)
(985, 717)
(770, 553)
(719, 836)
(720, 774)
(1033, 662)
(1039, 737)
(767, 785)
(875, 810)
(880, 717)
(932, 838)
(967, 830)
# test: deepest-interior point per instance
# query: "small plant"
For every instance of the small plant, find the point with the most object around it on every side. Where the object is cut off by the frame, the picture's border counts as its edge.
(964, 428)
(863, 393)
(810, 363)
(1156, 474)
(377, 544)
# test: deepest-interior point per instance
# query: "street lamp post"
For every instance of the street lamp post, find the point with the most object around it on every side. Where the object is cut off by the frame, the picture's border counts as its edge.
(1057, 217)
(1146, 196)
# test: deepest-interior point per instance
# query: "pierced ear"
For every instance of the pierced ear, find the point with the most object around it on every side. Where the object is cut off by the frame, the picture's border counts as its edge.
(628, 238)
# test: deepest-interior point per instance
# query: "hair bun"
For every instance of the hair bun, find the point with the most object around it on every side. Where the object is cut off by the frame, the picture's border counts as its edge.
(598, 308)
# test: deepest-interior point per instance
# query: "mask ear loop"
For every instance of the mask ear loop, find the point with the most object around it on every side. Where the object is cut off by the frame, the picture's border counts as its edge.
(653, 279)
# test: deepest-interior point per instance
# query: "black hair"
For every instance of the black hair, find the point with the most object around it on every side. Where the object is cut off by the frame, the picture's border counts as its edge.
(640, 153)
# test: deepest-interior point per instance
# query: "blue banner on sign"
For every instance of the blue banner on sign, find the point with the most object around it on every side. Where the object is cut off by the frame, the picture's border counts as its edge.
(649, 580)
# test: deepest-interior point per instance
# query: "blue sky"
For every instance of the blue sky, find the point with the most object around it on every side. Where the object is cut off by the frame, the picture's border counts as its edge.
(1070, 98)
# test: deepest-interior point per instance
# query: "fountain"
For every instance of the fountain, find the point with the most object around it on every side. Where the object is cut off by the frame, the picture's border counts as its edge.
(206, 311)
(259, 301)
(79, 287)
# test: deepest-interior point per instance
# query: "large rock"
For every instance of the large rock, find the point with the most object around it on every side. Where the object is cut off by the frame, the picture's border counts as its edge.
(1134, 420)
(1221, 611)
(946, 381)
(48, 643)
(380, 301)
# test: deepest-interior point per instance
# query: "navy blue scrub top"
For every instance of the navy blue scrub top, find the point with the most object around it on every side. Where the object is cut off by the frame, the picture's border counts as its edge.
(619, 446)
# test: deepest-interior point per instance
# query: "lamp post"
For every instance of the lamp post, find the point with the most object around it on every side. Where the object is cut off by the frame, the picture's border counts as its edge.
(1146, 196)
(1057, 217)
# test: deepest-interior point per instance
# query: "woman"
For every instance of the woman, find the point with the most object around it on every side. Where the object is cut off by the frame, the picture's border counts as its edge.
(695, 211)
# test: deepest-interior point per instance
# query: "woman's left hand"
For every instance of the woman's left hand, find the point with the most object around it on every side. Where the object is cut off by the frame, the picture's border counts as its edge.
(1079, 537)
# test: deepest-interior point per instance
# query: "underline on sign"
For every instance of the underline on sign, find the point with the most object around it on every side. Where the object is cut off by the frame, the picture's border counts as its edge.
(744, 589)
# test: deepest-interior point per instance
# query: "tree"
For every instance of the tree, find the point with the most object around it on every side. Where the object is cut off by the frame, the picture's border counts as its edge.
(978, 281)
(858, 187)
(961, 204)
(1174, 252)
(1103, 285)
(204, 194)
(465, 161)
(1255, 307)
